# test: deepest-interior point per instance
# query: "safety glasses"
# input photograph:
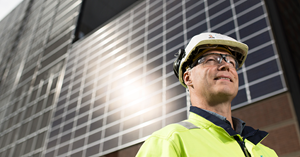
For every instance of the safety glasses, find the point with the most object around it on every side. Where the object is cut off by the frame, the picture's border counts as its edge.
(216, 59)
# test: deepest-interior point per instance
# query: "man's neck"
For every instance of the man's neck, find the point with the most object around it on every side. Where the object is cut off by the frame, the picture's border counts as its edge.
(223, 109)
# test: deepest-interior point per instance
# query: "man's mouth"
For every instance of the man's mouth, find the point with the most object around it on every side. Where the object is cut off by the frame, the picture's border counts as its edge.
(225, 78)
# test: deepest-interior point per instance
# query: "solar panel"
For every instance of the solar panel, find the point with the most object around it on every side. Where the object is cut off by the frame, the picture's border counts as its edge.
(119, 85)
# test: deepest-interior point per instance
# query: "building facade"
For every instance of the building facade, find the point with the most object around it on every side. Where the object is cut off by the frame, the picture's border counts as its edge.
(75, 86)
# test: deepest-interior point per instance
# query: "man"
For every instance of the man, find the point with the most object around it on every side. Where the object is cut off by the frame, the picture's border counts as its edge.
(208, 68)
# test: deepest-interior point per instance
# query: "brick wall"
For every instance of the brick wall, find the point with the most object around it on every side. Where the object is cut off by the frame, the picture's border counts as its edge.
(276, 116)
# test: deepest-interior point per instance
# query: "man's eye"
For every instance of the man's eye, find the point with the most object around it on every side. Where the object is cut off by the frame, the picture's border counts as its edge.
(211, 60)
(232, 62)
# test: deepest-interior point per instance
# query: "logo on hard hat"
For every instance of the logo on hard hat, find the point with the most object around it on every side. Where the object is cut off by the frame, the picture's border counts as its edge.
(210, 36)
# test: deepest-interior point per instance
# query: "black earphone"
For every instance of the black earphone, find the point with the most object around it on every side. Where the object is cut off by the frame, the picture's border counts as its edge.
(180, 54)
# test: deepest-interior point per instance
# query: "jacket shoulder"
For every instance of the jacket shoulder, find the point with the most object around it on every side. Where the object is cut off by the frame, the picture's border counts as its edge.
(175, 128)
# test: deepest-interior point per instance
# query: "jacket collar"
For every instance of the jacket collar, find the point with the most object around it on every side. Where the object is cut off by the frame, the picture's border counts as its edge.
(247, 132)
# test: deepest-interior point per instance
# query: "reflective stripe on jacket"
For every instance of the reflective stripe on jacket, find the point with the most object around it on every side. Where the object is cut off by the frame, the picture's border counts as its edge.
(199, 137)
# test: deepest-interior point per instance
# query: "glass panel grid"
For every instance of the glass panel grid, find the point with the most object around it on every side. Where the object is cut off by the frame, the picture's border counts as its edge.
(125, 79)
(33, 92)
(118, 82)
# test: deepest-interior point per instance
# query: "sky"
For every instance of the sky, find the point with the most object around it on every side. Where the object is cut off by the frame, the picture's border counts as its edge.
(6, 6)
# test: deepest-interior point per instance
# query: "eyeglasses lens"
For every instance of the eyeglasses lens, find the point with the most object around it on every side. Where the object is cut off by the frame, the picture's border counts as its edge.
(216, 59)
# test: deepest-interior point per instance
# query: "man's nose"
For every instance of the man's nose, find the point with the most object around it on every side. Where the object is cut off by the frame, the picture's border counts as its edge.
(224, 66)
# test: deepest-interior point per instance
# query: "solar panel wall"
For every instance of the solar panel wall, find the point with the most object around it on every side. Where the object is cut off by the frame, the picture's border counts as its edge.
(119, 85)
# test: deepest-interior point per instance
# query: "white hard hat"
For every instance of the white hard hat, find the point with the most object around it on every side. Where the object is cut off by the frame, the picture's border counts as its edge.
(185, 57)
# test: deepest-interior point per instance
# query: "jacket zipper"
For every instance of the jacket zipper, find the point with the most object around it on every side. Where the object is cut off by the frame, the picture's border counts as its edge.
(242, 145)
(245, 150)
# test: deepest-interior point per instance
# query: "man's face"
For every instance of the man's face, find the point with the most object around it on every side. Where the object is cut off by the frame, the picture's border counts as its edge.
(214, 82)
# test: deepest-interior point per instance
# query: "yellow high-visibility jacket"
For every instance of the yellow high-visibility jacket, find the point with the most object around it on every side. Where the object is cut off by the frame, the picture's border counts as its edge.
(205, 135)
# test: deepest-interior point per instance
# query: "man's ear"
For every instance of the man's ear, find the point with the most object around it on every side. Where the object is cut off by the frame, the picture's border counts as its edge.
(187, 78)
